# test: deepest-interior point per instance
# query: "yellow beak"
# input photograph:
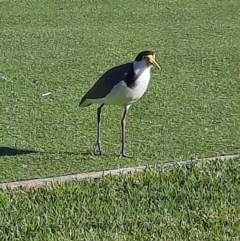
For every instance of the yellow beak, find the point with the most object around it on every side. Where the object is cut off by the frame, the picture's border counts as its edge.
(152, 60)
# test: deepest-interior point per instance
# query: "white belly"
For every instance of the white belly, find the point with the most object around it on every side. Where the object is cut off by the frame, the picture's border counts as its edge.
(121, 94)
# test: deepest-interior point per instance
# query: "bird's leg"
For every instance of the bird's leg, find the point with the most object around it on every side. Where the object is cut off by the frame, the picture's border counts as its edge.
(98, 146)
(123, 124)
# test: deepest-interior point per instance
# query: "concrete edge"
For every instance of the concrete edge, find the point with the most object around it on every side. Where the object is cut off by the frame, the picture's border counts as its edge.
(36, 183)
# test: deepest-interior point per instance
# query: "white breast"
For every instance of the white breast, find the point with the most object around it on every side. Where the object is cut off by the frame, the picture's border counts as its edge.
(141, 84)
(121, 94)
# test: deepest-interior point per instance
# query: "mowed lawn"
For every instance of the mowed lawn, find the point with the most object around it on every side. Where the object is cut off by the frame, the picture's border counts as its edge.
(194, 202)
(191, 108)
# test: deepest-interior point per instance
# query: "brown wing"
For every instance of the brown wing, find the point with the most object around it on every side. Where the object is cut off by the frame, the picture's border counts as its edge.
(106, 82)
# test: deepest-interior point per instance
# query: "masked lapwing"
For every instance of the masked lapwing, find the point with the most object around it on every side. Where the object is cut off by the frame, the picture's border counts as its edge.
(121, 85)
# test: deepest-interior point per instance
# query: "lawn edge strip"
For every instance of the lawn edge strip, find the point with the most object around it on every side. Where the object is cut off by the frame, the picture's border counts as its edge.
(36, 183)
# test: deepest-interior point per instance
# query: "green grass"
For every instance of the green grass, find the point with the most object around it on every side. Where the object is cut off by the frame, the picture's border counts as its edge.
(195, 202)
(190, 110)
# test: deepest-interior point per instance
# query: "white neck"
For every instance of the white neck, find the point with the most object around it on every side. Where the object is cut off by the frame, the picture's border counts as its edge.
(141, 66)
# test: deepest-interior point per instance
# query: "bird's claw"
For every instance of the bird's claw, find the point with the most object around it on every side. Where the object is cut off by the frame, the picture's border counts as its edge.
(97, 149)
(123, 154)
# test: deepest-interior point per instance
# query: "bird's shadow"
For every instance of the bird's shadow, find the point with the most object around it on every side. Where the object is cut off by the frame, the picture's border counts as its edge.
(10, 151)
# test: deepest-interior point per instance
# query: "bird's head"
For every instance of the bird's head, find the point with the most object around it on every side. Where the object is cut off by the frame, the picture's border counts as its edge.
(147, 58)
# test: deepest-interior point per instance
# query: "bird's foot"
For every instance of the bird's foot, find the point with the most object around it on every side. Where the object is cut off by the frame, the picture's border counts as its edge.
(124, 155)
(97, 149)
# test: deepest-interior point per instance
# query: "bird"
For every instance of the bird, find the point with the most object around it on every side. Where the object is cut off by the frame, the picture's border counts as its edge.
(122, 86)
